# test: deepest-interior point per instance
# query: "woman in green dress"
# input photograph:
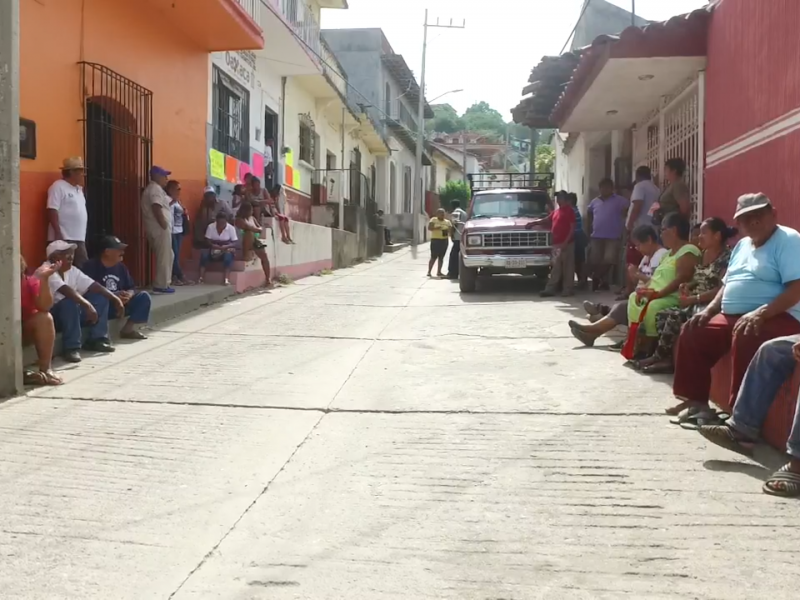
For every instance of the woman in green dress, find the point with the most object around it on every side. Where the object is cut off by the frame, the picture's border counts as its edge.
(660, 293)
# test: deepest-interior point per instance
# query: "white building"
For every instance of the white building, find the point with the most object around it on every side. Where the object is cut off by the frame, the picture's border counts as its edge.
(294, 92)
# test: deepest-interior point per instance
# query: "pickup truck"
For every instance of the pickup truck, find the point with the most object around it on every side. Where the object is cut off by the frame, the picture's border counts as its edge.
(500, 236)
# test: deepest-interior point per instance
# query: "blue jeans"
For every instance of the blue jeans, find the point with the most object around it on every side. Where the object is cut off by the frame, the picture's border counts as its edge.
(69, 317)
(225, 257)
(137, 309)
(177, 240)
(771, 367)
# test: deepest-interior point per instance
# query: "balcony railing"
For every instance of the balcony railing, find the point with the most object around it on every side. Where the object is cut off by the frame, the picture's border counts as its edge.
(252, 8)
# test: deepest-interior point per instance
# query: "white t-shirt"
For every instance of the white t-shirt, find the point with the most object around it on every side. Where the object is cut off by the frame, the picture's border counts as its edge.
(650, 263)
(267, 156)
(74, 278)
(228, 234)
(70, 203)
(177, 218)
(647, 193)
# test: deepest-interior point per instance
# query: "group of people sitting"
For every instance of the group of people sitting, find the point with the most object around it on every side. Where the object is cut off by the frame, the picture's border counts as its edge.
(695, 301)
(58, 296)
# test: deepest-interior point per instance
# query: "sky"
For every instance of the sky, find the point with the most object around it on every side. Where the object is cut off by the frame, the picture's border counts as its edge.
(492, 57)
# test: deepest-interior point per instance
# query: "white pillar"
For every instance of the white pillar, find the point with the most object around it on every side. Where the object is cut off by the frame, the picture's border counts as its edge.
(10, 320)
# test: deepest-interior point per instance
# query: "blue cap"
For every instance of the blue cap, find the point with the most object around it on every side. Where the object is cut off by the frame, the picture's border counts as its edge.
(159, 171)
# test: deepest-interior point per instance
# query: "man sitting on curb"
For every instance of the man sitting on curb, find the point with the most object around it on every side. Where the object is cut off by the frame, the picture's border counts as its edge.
(79, 300)
(771, 367)
(109, 271)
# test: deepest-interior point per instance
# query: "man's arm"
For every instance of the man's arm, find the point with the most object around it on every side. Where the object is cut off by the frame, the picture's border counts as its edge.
(112, 298)
(52, 219)
(637, 203)
(158, 213)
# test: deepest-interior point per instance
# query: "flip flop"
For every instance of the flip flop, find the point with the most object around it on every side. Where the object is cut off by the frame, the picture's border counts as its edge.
(133, 335)
(658, 369)
(702, 418)
(790, 481)
(725, 437)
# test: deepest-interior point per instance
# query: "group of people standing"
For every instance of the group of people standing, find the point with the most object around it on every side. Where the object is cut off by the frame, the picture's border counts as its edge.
(442, 230)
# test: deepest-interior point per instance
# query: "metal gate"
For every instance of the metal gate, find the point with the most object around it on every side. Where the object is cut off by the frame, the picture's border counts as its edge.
(118, 148)
(674, 131)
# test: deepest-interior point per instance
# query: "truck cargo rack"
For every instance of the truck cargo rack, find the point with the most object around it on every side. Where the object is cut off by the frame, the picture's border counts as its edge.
(496, 181)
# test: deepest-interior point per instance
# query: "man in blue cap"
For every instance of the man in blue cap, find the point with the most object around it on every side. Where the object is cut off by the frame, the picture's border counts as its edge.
(157, 220)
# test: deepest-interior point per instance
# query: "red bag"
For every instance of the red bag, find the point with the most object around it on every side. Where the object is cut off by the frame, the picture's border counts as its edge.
(629, 349)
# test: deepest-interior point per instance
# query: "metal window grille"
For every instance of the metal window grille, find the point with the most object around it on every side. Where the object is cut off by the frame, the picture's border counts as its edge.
(117, 147)
(679, 139)
(306, 143)
(231, 114)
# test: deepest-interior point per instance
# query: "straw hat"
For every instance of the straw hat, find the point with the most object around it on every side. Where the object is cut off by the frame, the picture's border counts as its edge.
(73, 163)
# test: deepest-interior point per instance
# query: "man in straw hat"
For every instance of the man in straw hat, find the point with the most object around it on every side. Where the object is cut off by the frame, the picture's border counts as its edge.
(66, 208)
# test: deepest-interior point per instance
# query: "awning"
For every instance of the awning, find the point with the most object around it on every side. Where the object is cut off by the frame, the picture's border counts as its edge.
(398, 68)
(545, 86)
(620, 79)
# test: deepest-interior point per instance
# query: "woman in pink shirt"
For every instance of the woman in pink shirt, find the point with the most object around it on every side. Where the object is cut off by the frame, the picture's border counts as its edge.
(38, 327)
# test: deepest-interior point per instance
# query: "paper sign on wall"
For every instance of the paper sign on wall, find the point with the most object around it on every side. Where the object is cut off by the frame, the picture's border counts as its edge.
(216, 164)
(231, 169)
(244, 169)
(258, 165)
(288, 175)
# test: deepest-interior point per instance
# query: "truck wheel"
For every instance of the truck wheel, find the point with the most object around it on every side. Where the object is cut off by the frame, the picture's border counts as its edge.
(467, 277)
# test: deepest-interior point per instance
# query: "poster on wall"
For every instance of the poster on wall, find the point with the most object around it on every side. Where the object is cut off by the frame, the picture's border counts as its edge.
(216, 164)
(258, 165)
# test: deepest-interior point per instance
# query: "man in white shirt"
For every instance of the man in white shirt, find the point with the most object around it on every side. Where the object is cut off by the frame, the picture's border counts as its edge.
(644, 194)
(157, 219)
(222, 241)
(66, 208)
(79, 300)
(458, 217)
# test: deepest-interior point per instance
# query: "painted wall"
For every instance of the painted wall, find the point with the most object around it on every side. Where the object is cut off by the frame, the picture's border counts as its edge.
(115, 33)
(263, 86)
(753, 79)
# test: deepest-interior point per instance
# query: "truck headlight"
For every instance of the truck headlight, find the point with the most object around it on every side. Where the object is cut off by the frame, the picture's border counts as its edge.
(474, 240)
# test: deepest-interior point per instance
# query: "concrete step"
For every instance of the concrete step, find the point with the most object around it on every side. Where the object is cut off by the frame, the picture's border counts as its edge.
(396, 247)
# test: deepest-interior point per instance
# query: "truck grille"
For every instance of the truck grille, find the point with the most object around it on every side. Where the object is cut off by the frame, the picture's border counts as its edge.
(517, 239)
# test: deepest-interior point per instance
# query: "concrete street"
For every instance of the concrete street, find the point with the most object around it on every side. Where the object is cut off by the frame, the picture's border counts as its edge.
(373, 435)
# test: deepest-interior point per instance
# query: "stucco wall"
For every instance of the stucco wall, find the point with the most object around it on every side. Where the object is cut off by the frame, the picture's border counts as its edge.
(121, 36)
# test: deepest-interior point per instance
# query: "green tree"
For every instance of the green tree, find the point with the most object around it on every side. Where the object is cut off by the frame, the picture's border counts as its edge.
(482, 118)
(545, 159)
(454, 190)
(446, 120)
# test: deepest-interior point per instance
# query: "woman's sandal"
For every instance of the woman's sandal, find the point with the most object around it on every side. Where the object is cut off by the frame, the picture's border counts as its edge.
(726, 437)
(789, 483)
(659, 368)
(41, 378)
(696, 417)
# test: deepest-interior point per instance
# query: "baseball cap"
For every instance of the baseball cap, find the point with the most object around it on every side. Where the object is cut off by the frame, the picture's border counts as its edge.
(59, 246)
(209, 189)
(159, 171)
(751, 202)
(111, 242)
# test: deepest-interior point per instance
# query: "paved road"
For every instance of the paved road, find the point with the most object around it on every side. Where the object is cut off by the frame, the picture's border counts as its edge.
(373, 435)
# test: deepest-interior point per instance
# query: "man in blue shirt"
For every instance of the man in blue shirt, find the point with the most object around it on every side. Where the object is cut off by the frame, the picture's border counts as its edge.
(759, 301)
(109, 271)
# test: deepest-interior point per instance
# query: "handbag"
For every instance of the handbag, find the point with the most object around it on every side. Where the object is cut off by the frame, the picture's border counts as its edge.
(629, 348)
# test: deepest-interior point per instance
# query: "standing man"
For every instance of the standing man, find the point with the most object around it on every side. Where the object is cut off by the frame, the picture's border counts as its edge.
(66, 208)
(562, 226)
(645, 194)
(458, 217)
(606, 216)
(157, 218)
(440, 232)
(269, 165)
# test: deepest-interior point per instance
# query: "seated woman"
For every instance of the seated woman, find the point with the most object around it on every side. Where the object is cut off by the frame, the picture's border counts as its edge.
(658, 294)
(695, 296)
(222, 241)
(238, 197)
(250, 233)
(38, 327)
(273, 201)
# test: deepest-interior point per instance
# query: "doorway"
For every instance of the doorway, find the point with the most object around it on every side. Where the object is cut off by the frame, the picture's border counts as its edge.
(270, 133)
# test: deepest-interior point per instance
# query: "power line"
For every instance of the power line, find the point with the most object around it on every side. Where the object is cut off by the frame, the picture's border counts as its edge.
(574, 29)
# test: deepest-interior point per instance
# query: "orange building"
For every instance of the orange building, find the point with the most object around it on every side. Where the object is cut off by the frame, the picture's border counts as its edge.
(125, 85)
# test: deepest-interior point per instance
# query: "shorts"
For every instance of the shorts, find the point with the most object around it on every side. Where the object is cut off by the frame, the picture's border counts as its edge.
(604, 252)
(439, 248)
(632, 255)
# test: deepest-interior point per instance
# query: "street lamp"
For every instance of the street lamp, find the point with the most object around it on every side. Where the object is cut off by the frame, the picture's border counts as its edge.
(443, 95)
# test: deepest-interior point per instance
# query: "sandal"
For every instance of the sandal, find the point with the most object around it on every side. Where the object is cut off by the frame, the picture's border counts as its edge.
(579, 334)
(727, 437)
(696, 417)
(36, 378)
(132, 335)
(659, 368)
(789, 483)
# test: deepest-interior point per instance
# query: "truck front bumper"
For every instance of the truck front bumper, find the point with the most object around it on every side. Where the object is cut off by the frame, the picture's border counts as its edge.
(503, 261)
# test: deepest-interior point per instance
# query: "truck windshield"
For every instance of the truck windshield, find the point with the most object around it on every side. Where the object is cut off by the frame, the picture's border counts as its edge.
(512, 204)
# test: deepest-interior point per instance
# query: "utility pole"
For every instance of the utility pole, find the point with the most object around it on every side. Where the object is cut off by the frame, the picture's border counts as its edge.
(534, 143)
(633, 13)
(464, 152)
(10, 317)
(418, 200)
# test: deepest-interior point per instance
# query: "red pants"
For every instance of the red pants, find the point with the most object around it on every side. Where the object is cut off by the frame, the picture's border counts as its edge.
(700, 348)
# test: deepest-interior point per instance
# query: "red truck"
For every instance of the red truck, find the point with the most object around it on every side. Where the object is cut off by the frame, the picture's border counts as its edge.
(495, 240)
